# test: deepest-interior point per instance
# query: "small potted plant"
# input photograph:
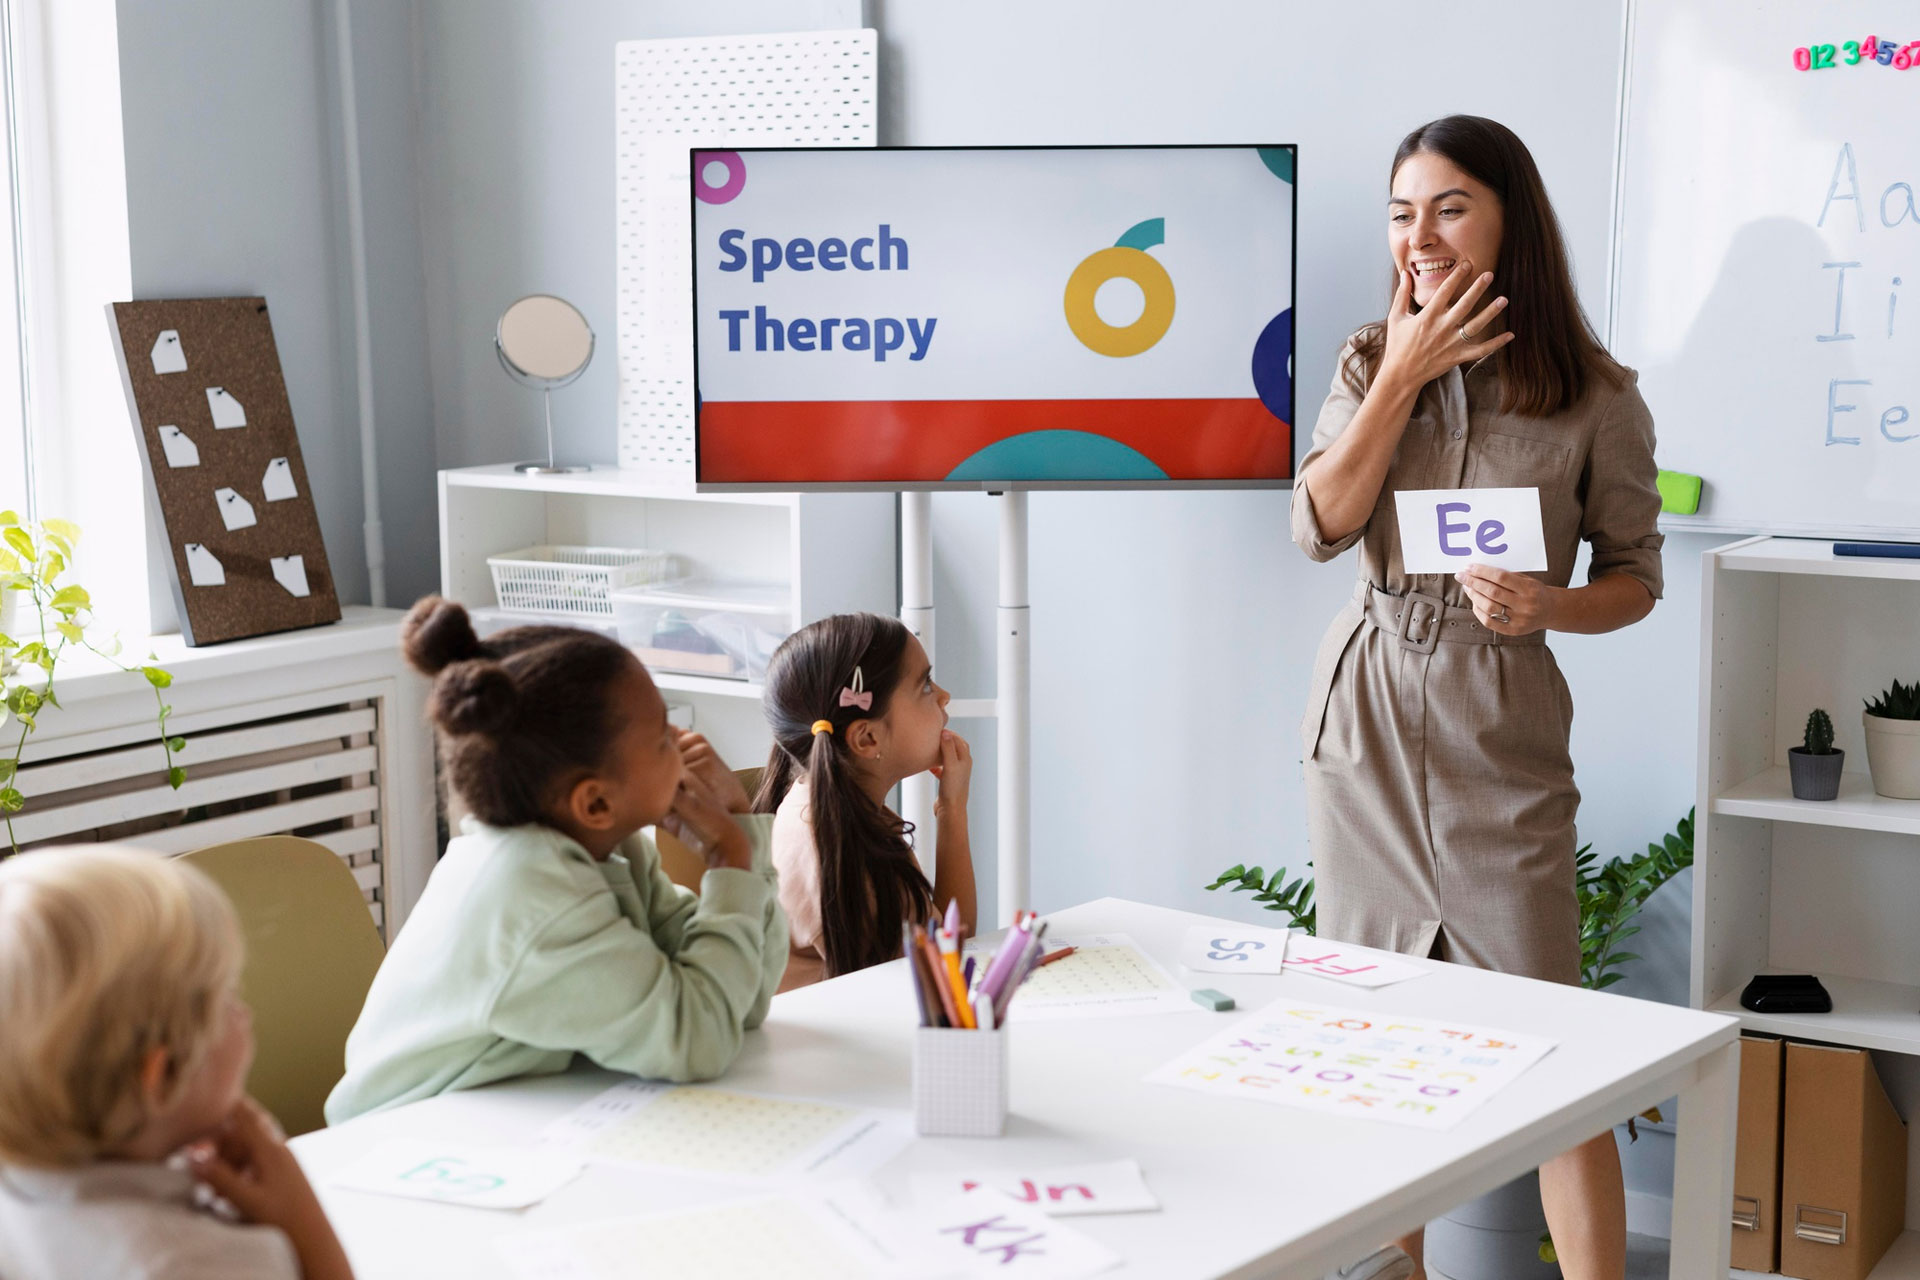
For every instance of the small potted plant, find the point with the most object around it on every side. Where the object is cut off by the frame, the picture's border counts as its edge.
(1814, 766)
(1893, 741)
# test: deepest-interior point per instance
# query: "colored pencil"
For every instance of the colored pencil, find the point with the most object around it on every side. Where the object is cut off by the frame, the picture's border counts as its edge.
(945, 989)
(913, 972)
(950, 959)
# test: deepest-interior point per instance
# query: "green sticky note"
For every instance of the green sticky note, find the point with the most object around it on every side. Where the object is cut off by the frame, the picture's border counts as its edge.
(1679, 493)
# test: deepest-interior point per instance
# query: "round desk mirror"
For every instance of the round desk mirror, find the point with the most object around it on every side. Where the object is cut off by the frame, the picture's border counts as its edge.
(544, 342)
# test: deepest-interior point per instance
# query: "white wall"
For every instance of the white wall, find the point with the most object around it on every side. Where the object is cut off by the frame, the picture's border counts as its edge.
(235, 186)
(227, 193)
(516, 108)
(1174, 633)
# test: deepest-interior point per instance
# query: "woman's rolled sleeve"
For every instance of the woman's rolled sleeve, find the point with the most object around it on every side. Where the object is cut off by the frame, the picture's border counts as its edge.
(1621, 512)
(1343, 401)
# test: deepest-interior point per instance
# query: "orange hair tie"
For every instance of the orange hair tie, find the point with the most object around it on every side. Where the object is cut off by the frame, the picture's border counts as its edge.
(823, 726)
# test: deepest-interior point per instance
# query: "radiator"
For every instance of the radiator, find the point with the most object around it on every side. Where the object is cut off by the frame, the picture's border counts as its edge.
(345, 761)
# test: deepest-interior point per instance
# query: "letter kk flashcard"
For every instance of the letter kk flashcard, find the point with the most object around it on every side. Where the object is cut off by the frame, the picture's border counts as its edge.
(1445, 530)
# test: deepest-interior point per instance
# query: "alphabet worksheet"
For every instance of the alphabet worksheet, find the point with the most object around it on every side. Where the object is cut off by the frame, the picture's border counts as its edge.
(1401, 1068)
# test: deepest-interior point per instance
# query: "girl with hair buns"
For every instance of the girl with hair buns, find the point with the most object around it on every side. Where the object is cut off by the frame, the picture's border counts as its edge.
(854, 711)
(548, 928)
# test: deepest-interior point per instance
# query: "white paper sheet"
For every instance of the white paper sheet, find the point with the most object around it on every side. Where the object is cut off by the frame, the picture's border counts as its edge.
(168, 355)
(1352, 965)
(1062, 1191)
(278, 481)
(722, 1133)
(291, 573)
(1398, 1067)
(1226, 948)
(847, 1234)
(203, 568)
(1107, 976)
(180, 451)
(235, 511)
(227, 412)
(455, 1173)
(1445, 530)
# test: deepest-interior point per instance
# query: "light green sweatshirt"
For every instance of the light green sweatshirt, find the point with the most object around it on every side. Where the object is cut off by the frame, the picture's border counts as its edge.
(524, 951)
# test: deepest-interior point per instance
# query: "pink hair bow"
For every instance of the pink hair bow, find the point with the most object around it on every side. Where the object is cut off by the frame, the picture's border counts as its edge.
(857, 694)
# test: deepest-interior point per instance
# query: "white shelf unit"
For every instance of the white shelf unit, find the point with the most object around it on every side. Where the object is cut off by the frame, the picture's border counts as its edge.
(1794, 886)
(1902, 1262)
(835, 553)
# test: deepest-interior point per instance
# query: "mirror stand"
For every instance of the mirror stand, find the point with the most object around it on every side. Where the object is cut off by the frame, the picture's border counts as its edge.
(549, 467)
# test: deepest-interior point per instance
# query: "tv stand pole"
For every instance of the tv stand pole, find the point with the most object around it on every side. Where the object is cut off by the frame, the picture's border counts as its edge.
(1009, 708)
(1013, 702)
(916, 611)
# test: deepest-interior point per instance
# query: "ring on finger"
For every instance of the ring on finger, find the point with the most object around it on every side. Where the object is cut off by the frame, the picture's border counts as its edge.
(1464, 335)
(1502, 616)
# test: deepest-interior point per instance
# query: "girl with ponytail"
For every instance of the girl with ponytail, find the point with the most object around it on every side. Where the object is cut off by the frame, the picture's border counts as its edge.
(548, 928)
(854, 711)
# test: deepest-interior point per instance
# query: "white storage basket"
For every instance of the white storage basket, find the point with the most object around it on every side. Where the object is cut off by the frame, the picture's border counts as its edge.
(575, 580)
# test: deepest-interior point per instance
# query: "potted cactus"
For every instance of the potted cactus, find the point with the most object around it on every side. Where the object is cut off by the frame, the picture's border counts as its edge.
(1893, 741)
(1814, 766)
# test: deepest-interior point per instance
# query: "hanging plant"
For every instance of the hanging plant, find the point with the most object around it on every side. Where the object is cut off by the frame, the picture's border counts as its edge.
(34, 557)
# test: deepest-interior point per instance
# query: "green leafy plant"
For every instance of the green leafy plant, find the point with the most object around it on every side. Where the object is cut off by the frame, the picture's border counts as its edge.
(1293, 900)
(32, 560)
(1819, 737)
(1901, 702)
(1612, 895)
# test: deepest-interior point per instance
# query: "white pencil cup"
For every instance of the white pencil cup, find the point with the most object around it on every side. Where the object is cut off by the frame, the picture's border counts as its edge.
(959, 1082)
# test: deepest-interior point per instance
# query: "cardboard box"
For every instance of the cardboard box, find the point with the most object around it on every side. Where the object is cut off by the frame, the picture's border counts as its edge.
(1756, 1155)
(1843, 1171)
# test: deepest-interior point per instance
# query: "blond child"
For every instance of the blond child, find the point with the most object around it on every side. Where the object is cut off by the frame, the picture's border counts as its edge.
(122, 1062)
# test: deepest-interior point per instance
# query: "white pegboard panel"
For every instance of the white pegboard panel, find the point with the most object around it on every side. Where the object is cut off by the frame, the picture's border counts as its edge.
(809, 88)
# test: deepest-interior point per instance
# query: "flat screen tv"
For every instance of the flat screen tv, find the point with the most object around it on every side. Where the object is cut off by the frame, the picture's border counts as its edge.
(993, 317)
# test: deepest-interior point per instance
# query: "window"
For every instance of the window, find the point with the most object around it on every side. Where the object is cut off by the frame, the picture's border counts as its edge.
(16, 446)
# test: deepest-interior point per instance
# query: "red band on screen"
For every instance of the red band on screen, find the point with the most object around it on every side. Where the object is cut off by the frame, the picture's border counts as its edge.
(899, 441)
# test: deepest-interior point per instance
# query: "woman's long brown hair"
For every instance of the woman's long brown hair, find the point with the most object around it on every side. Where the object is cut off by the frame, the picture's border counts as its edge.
(869, 881)
(1545, 369)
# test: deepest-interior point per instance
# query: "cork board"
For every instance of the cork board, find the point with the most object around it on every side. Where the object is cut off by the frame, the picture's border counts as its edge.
(223, 466)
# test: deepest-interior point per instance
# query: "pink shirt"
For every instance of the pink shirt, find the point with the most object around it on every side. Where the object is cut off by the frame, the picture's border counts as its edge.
(797, 861)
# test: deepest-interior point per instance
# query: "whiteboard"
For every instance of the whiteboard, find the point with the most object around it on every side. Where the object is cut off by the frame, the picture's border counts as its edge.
(1789, 382)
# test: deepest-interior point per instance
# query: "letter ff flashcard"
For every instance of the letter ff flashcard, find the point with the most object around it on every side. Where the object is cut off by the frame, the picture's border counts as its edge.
(1445, 530)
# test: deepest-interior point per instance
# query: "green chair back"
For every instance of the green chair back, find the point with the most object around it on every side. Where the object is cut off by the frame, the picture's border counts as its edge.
(312, 951)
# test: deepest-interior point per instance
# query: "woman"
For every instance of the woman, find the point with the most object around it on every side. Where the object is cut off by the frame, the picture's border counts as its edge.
(1440, 794)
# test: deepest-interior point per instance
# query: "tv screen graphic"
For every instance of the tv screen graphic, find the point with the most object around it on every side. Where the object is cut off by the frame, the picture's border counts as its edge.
(986, 317)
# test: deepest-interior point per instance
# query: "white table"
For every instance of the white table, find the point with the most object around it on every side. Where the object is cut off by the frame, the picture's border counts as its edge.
(1247, 1189)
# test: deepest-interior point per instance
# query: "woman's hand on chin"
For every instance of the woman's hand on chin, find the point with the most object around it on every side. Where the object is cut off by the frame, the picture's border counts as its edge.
(1422, 345)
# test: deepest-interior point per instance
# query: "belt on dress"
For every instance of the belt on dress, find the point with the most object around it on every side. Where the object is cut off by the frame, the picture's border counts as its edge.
(1419, 622)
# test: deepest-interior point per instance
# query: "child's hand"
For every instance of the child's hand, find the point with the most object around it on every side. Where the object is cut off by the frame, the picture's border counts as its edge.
(955, 772)
(705, 763)
(705, 827)
(249, 1166)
